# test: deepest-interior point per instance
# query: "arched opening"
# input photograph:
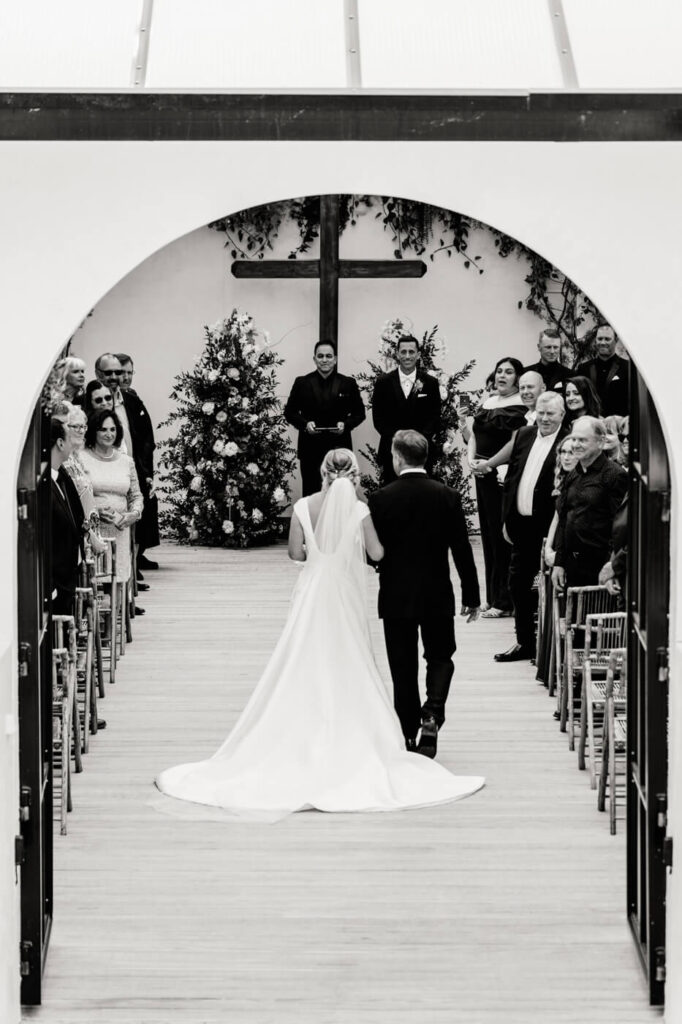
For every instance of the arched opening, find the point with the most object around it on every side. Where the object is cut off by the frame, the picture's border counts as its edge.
(644, 537)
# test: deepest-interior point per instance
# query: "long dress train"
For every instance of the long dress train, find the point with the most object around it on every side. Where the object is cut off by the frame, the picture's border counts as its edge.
(319, 730)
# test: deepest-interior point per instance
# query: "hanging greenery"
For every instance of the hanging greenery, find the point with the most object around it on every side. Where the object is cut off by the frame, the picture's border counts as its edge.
(421, 229)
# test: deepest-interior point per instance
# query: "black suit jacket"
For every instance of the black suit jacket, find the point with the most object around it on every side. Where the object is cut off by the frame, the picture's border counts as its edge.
(67, 536)
(391, 411)
(615, 394)
(554, 375)
(418, 521)
(543, 501)
(142, 436)
(341, 404)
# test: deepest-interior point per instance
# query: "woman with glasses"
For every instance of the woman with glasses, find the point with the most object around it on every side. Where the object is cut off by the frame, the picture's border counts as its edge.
(97, 396)
(115, 487)
(76, 425)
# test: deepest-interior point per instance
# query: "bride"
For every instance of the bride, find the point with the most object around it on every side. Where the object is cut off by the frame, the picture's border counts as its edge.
(319, 731)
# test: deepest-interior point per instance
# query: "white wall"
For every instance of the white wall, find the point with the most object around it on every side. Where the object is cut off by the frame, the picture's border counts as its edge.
(157, 311)
(76, 217)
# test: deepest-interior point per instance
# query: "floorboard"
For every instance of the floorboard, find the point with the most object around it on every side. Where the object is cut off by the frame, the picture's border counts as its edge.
(505, 907)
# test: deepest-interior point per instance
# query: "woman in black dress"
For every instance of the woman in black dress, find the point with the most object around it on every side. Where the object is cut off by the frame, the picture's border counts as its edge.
(499, 416)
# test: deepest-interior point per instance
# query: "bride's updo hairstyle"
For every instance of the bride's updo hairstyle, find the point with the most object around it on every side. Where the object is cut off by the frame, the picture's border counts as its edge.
(339, 462)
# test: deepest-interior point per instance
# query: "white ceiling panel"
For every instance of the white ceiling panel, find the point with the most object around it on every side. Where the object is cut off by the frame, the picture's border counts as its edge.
(458, 44)
(247, 44)
(68, 44)
(626, 44)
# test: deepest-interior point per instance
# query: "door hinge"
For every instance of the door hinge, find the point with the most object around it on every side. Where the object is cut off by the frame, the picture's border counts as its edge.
(661, 810)
(24, 659)
(668, 851)
(25, 950)
(18, 850)
(25, 799)
(22, 503)
(659, 955)
(662, 654)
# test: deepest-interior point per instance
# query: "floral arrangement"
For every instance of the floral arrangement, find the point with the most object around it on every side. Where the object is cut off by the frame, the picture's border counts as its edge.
(448, 467)
(224, 475)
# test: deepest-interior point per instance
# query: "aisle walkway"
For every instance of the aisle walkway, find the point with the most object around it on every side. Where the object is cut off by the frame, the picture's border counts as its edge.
(507, 907)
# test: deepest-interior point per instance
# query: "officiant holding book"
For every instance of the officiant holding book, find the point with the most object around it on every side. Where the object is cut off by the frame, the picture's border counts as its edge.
(324, 406)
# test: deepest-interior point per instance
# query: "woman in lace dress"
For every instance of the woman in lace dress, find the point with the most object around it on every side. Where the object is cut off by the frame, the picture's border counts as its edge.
(115, 485)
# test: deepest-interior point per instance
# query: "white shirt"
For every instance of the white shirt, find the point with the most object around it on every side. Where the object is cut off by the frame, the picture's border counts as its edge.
(126, 446)
(531, 416)
(412, 469)
(539, 451)
(407, 381)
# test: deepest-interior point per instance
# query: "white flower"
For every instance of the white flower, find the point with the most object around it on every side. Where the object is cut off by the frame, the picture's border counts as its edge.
(228, 526)
(253, 469)
(221, 416)
(193, 534)
(196, 483)
(233, 373)
(191, 468)
(208, 408)
(443, 391)
(231, 448)
(213, 375)
(278, 494)
(257, 515)
(218, 447)
(245, 403)
(253, 417)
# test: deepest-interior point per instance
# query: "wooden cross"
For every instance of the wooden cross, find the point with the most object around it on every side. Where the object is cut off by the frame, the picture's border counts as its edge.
(329, 268)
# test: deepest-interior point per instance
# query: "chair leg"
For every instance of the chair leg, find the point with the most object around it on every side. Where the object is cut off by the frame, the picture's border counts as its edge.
(603, 774)
(584, 727)
(612, 777)
(563, 701)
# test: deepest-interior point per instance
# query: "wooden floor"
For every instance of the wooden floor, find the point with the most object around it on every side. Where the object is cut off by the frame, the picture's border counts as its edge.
(505, 907)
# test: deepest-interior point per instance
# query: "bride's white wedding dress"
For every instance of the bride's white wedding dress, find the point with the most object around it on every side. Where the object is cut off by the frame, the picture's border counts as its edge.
(319, 730)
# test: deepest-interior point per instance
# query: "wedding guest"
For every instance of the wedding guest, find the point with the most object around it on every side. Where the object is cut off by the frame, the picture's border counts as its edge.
(67, 522)
(125, 381)
(549, 366)
(405, 399)
(566, 460)
(581, 399)
(531, 386)
(613, 574)
(609, 373)
(138, 434)
(527, 509)
(324, 406)
(97, 396)
(70, 379)
(587, 506)
(493, 425)
(114, 484)
(614, 446)
(76, 424)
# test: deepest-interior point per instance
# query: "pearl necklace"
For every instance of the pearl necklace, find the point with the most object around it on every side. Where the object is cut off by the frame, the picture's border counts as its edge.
(105, 458)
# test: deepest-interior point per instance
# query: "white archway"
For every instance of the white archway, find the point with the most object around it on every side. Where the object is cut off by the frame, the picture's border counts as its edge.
(77, 216)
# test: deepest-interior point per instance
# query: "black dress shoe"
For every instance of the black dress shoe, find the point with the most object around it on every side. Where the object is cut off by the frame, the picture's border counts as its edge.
(517, 652)
(138, 610)
(143, 586)
(139, 576)
(101, 724)
(411, 744)
(428, 740)
(147, 563)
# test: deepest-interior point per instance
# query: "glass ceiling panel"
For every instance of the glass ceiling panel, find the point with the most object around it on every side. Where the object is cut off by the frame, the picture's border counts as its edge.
(247, 44)
(626, 44)
(68, 44)
(458, 44)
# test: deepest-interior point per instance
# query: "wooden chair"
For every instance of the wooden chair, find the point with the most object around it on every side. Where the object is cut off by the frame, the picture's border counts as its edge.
(110, 608)
(61, 734)
(603, 633)
(86, 690)
(580, 602)
(64, 639)
(613, 773)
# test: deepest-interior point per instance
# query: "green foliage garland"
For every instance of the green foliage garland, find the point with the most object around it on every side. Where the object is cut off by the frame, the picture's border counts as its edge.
(224, 475)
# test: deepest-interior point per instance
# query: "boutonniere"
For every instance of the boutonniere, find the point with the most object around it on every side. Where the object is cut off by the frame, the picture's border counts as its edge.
(615, 377)
(417, 386)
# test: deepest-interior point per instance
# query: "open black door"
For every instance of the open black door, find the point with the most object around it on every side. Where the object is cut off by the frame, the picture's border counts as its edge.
(649, 850)
(35, 706)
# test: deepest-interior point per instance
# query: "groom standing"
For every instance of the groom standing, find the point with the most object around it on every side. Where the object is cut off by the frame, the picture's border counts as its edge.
(418, 521)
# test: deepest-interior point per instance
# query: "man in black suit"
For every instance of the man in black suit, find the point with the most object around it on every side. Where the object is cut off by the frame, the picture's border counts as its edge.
(527, 511)
(609, 373)
(138, 434)
(324, 406)
(67, 522)
(419, 521)
(405, 399)
(552, 371)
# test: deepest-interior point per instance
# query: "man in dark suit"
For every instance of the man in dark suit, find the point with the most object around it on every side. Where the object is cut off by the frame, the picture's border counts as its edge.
(67, 522)
(527, 511)
(405, 399)
(609, 373)
(138, 434)
(419, 521)
(324, 406)
(552, 371)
